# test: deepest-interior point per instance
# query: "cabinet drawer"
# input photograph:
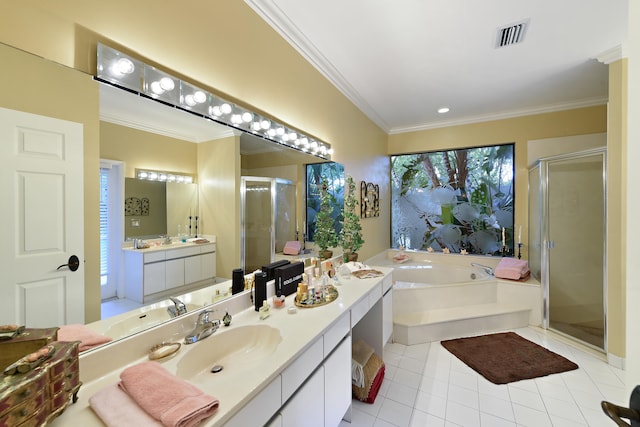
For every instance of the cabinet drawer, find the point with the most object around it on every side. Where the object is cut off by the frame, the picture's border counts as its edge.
(359, 309)
(20, 413)
(18, 396)
(154, 256)
(207, 248)
(260, 409)
(296, 373)
(183, 252)
(335, 333)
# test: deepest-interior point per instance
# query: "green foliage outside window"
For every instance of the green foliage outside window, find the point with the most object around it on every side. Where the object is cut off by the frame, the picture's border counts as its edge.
(454, 200)
(334, 175)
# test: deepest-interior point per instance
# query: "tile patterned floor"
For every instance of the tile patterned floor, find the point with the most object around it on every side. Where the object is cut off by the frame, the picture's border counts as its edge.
(425, 385)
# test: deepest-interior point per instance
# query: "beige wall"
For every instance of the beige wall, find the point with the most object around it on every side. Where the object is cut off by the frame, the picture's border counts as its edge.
(219, 185)
(617, 208)
(139, 149)
(29, 84)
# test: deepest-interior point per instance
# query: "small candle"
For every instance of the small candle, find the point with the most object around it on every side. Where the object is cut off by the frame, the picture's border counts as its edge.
(520, 235)
(503, 244)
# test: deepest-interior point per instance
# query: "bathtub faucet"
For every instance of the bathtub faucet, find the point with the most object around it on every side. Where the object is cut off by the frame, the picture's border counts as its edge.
(486, 269)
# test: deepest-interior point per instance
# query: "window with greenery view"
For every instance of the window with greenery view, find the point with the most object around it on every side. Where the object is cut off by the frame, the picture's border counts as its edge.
(334, 173)
(455, 199)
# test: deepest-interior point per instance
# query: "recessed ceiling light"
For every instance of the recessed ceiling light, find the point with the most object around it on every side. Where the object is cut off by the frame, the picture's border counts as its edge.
(443, 110)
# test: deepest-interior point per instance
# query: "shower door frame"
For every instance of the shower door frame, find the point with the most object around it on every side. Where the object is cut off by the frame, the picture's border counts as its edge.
(273, 182)
(546, 244)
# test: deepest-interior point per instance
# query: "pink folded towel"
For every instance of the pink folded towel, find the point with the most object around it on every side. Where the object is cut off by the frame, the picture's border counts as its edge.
(116, 409)
(88, 338)
(167, 398)
(512, 269)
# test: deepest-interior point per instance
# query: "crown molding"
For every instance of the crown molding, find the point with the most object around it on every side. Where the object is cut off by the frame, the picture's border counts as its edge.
(612, 55)
(502, 116)
(279, 21)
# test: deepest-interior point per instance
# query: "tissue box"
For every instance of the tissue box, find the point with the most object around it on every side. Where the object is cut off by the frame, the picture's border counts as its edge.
(291, 248)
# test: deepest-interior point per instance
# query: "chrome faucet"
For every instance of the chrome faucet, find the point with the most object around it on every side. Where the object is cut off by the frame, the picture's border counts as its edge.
(204, 327)
(177, 308)
(486, 268)
(166, 240)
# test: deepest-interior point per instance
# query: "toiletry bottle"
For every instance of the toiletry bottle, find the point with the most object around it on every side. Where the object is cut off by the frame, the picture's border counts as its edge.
(264, 310)
(317, 284)
(278, 299)
(237, 278)
(260, 289)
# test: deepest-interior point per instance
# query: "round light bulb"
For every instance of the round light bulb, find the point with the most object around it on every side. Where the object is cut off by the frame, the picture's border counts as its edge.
(225, 108)
(255, 126)
(189, 100)
(125, 66)
(280, 131)
(285, 137)
(293, 135)
(271, 132)
(236, 119)
(215, 110)
(167, 84)
(199, 96)
(247, 117)
(156, 88)
(265, 124)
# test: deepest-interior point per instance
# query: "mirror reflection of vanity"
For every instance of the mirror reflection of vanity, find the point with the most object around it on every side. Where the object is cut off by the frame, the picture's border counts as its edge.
(197, 152)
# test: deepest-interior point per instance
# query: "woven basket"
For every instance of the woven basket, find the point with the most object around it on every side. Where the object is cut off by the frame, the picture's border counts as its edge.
(373, 375)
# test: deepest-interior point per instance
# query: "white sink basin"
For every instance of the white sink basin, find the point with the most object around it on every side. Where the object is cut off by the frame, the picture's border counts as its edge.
(231, 348)
(141, 321)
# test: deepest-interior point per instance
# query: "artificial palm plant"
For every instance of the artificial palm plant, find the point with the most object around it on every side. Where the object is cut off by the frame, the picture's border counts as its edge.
(325, 235)
(350, 238)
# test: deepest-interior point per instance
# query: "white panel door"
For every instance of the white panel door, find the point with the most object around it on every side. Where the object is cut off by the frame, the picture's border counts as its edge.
(41, 220)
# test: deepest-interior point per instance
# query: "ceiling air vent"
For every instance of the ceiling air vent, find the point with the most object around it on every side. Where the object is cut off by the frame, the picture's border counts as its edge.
(512, 34)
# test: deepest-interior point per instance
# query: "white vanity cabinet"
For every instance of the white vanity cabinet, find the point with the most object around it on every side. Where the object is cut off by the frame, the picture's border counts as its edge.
(150, 272)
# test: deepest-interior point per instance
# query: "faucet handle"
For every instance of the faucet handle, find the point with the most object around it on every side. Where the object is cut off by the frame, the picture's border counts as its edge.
(203, 317)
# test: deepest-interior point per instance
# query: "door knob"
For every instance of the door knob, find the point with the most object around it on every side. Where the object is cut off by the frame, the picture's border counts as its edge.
(73, 263)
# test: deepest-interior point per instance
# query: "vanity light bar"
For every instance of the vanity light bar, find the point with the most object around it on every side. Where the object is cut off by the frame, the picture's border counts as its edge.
(162, 176)
(123, 71)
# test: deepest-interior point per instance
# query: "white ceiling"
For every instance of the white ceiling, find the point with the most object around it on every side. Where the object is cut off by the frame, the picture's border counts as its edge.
(399, 61)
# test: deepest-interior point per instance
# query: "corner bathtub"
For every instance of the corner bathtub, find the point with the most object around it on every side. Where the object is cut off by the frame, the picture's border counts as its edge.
(441, 296)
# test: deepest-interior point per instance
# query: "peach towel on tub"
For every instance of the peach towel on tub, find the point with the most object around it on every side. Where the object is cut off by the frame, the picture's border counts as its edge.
(116, 409)
(167, 398)
(512, 269)
(88, 338)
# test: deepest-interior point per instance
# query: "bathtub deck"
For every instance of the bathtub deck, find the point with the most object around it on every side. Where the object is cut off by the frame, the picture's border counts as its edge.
(454, 322)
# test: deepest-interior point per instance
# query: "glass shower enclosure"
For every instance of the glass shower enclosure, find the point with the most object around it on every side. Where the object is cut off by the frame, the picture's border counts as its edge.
(268, 219)
(567, 226)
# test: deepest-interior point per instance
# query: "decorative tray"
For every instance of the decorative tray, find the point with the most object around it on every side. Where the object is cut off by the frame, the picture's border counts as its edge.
(330, 296)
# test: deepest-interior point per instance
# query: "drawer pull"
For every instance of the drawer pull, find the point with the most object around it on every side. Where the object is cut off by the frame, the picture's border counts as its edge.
(25, 393)
(23, 412)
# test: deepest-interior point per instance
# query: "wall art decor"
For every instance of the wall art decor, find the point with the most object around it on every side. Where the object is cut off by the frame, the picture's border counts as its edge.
(369, 200)
(134, 206)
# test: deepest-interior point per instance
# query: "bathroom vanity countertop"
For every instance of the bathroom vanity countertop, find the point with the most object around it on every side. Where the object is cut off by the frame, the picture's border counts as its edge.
(157, 245)
(233, 387)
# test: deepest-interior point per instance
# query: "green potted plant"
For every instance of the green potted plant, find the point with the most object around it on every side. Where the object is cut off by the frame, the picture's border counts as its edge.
(350, 238)
(325, 235)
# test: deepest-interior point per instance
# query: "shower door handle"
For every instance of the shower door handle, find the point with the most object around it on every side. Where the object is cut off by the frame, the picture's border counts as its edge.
(551, 244)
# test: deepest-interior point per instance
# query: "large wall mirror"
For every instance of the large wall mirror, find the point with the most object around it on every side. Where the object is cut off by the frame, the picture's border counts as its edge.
(125, 110)
(157, 208)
